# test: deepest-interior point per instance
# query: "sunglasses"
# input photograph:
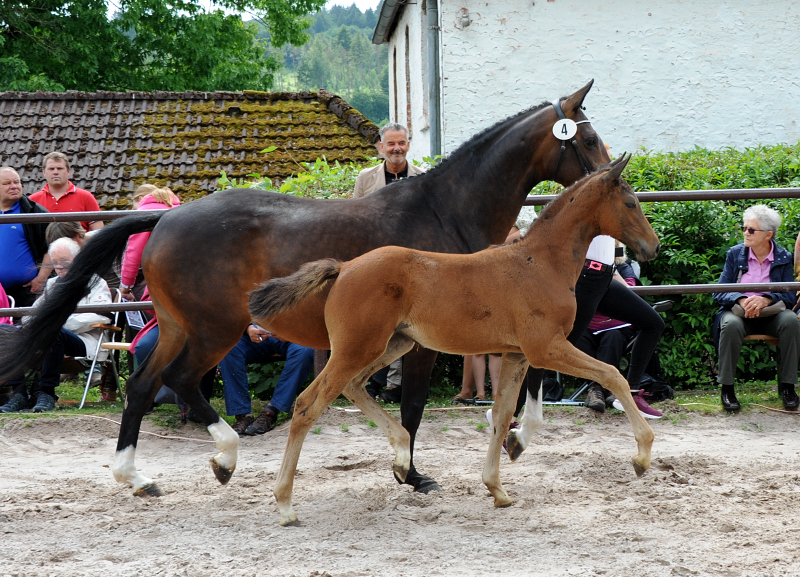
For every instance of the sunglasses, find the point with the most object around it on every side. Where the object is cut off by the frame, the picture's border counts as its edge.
(751, 230)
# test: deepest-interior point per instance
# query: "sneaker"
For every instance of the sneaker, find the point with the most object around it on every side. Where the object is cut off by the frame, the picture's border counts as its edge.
(646, 410)
(18, 402)
(392, 395)
(241, 424)
(44, 403)
(96, 380)
(263, 423)
(595, 399)
(610, 400)
(513, 425)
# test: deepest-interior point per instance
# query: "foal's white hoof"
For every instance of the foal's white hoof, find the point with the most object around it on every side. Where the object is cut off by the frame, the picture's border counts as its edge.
(289, 519)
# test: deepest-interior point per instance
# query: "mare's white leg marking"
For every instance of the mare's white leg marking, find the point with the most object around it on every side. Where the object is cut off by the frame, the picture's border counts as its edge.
(124, 469)
(531, 420)
(227, 442)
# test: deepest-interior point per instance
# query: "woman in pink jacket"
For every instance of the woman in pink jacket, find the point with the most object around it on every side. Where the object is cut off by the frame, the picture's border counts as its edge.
(146, 197)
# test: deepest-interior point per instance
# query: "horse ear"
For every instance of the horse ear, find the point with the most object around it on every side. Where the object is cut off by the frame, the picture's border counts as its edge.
(615, 168)
(575, 101)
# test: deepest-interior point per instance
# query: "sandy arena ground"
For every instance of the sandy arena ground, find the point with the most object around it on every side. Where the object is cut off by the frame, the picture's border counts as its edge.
(720, 499)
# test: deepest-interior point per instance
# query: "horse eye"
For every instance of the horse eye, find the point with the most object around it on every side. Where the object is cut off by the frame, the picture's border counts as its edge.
(630, 204)
(591, 141)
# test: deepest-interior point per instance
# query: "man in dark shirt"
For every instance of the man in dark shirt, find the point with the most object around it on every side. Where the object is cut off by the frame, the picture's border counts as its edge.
(393, 146)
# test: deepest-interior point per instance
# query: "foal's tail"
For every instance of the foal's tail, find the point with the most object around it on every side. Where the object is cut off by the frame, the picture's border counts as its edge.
(23, 348)
(281, 294)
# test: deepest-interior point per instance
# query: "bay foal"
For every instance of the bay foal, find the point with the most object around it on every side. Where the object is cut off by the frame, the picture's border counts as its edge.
(516, 299)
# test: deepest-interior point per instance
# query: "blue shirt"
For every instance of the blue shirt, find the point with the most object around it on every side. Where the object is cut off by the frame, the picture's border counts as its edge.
(17, 266)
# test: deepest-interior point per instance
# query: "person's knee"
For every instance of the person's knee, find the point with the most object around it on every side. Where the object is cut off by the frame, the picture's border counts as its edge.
(730, 325)
(304, 354)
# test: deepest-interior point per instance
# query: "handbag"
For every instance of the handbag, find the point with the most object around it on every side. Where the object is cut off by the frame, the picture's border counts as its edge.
(769, 311)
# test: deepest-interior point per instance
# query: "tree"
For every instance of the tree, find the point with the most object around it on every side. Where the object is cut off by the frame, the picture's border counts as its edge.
(146, 45)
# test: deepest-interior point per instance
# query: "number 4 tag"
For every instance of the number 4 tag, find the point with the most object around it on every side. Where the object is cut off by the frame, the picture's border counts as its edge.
(565, 129)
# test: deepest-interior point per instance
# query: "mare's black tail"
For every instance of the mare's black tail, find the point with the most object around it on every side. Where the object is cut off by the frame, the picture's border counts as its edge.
(23, 348)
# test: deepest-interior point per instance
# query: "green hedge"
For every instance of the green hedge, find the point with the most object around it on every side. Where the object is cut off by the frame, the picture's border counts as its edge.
(695, 237)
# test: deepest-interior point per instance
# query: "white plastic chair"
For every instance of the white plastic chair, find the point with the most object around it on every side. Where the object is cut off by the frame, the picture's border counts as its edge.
(106, 341)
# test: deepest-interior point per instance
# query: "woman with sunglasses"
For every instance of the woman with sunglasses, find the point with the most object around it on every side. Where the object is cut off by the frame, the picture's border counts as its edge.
(757, 260)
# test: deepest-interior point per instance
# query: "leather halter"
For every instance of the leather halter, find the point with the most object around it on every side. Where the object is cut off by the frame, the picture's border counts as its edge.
(562, 116)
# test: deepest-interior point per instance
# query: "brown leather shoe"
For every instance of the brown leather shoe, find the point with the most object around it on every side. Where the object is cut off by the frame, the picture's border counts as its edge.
(595, 399)
(241, 424)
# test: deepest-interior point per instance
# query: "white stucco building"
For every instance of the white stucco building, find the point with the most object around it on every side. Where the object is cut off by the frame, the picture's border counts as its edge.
(668, 75)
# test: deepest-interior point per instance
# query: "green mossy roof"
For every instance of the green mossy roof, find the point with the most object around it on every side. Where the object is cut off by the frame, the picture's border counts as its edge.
(118, 141)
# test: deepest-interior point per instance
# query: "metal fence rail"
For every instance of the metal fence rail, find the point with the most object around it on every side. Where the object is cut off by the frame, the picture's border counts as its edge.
(641, 290)
(684, 195)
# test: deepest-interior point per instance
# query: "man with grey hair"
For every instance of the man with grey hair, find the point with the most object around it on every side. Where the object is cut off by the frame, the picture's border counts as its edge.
(60, 195)
(78, 337)
(23, 246)
(393, 147)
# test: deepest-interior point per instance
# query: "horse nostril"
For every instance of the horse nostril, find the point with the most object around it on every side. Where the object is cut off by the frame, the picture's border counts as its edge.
(658, 248)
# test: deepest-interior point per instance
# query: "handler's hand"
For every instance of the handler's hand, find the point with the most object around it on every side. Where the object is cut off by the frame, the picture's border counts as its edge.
(257, 334)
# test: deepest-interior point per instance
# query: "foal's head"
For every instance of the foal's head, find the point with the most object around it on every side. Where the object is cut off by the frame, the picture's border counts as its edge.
(619, 213)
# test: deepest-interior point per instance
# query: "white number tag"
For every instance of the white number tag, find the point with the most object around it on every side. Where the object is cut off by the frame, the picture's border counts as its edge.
(565, 129)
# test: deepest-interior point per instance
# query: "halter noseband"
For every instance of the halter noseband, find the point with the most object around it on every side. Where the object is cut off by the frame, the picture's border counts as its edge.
(562, 116)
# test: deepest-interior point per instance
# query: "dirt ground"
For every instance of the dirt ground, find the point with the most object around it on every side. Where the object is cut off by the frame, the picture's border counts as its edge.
(720, 499)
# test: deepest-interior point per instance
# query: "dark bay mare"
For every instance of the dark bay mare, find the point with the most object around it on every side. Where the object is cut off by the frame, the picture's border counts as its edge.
(204, 257)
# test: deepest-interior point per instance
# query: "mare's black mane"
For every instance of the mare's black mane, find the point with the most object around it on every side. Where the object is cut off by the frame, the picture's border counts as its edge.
(474, 141)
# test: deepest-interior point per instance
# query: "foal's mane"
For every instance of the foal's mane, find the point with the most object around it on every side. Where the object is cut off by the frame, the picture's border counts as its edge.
(565, 198)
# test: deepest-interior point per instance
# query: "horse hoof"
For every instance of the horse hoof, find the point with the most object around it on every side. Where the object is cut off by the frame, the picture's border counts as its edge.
(504, 501)
(223, 474)
(514, 447)
(290, 520)
(400, 473)
(421, 483)
(427, 485)
(149, 490)
(640, 470)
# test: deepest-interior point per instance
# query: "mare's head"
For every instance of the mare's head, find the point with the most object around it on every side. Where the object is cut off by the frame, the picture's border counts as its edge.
(617, 210)
(584, 150)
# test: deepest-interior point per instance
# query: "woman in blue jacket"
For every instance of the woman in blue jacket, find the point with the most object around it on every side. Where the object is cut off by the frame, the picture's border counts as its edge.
(757, 260)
